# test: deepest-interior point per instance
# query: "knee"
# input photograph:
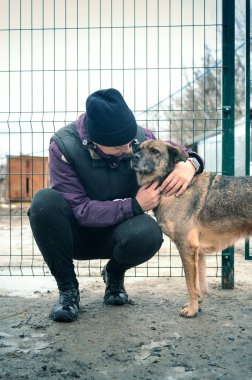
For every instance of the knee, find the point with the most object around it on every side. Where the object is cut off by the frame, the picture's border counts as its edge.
(146, 233)
(139, 240)
(151, 234)
(48, 202)
(153, 237)
(43, 199)
(151, 240)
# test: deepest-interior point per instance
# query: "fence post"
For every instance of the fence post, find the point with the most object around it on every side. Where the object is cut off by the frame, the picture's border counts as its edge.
(228, 118)
(247, 92)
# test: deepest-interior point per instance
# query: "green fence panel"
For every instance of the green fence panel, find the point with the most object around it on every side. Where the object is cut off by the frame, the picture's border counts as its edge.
(248, 256)
(228, 120)
(165, 56)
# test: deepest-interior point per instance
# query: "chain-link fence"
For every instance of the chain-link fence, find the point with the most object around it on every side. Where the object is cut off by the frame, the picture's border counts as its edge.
(165, 56)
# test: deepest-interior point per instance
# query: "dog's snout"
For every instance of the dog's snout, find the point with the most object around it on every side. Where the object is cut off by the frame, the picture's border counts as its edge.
(136, 156)
(142, 164)
(134, 160)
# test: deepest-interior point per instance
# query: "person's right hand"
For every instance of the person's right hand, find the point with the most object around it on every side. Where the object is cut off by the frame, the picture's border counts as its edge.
(148, 196)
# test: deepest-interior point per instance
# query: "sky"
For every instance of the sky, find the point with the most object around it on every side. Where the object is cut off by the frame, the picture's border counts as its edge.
(55, 53)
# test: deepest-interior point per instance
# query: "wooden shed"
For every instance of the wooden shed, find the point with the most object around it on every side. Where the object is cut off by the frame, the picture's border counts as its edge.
(25, 176)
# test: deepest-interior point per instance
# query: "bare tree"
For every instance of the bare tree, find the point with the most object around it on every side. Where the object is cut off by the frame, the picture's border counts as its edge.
(197, 109)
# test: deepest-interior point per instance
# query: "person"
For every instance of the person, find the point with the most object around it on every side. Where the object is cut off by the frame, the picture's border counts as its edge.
(94, 208)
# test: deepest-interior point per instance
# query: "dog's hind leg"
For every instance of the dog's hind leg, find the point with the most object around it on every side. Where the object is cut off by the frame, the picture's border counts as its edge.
(202, 280)
(190, 259)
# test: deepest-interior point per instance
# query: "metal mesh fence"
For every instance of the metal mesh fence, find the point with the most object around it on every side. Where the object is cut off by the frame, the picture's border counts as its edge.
(165, 56)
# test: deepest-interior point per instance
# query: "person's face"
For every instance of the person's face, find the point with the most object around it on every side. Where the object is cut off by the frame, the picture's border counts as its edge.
(115, 150)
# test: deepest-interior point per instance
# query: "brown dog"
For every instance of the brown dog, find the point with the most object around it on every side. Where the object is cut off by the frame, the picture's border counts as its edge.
(212, 214)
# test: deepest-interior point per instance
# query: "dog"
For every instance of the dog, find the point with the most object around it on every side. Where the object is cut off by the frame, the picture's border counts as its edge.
(212, 214)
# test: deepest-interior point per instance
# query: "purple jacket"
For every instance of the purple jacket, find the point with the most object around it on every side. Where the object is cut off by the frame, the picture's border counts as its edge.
(88, 213)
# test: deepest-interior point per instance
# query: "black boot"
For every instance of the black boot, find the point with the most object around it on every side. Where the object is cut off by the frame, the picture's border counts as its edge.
(67, 308)
(115, 293)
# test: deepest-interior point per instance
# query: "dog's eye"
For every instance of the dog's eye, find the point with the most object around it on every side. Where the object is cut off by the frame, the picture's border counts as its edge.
(154, 151)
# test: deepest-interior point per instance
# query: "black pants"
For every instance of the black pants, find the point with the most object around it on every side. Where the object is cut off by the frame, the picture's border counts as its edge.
(61, 240)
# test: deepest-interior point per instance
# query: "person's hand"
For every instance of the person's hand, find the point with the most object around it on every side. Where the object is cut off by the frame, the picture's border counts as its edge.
(178, 180)
(148, 197)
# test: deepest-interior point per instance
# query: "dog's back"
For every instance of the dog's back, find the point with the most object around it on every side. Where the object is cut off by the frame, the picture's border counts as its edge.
(218, 208)
(227, 212)
(227, 197)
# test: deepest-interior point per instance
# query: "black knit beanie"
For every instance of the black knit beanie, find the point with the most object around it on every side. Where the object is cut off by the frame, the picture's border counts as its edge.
(110, 122)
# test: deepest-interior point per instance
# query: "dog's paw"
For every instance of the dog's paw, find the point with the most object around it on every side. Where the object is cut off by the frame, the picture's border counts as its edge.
(189, 312)
(200, 305)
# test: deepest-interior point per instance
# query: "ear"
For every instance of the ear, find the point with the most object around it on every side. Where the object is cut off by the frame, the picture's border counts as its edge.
(177, 154)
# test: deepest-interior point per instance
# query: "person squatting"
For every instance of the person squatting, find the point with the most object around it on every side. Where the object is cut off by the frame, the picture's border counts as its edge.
(94, 208)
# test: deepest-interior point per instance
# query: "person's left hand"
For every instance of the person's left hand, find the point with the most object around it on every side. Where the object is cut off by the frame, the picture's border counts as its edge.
(178, 180)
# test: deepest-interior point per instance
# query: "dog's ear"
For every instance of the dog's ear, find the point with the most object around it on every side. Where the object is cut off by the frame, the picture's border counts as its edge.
(177, 154)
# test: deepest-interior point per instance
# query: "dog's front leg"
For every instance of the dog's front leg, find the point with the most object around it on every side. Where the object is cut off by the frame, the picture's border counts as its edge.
(190, 259)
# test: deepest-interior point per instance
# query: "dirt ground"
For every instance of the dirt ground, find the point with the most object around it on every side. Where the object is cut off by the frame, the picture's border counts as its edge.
(146, 339)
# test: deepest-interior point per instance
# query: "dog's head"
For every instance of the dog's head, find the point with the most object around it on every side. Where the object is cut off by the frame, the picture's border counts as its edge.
(154, 160)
